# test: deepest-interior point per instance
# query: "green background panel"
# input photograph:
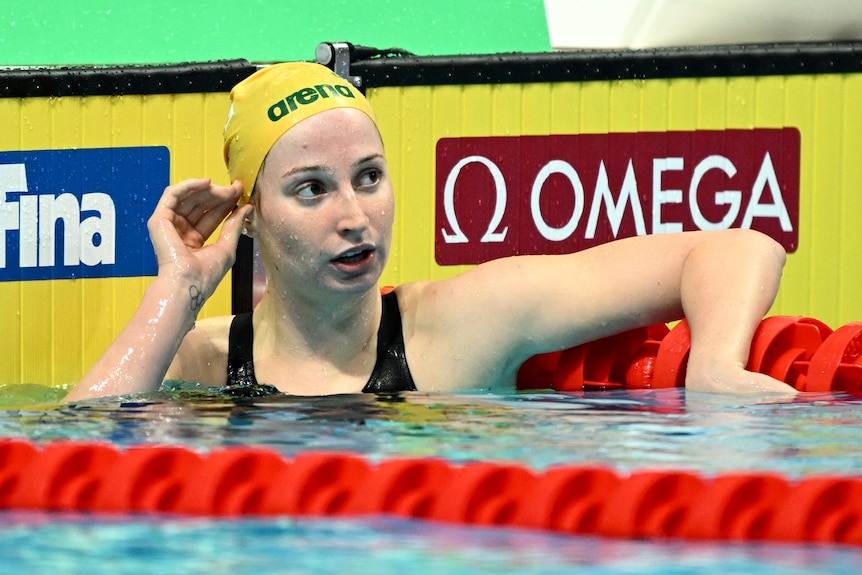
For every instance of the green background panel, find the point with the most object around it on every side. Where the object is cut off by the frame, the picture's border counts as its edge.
(83, 32)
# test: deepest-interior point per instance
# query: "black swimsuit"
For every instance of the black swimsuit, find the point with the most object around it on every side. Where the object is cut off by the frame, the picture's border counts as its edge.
(390, 373)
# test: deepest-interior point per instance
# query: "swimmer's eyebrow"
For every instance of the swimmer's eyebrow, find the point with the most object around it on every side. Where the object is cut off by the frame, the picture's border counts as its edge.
(327, 169)
(368, 158)
(304, 169)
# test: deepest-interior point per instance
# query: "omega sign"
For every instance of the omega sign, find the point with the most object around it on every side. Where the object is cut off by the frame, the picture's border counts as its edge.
(509, 195)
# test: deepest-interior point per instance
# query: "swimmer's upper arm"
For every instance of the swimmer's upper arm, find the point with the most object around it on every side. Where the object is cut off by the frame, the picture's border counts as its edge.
(498, 314)
(726, 280)
(531, 304)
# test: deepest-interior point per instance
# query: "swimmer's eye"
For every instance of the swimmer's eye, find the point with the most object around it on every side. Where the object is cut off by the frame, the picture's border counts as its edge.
(370, 177)
(310, 190)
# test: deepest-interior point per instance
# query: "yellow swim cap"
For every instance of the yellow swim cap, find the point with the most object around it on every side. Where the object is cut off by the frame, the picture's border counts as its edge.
(270, 102)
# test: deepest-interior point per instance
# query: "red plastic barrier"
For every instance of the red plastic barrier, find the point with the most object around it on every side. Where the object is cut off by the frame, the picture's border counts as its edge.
(231, 482)
(315, 484)
(803, 352)
(574, 499)
(650, 504)
(483, 493)
(837, 363)
(782, 347)
(824, 509)
(610, 363)
(402, 487)
(568, 499)
(670, 363)
(15, 458)
(538, 371)
(736, 507)
(64, 476)
(147, 479)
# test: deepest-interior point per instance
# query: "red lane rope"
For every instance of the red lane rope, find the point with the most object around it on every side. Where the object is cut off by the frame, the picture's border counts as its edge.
(586, 500)
(803, 352)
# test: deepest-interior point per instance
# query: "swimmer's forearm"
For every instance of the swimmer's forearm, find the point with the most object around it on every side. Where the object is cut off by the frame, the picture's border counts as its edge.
(189, 272)
(727, 286)
(139, 358)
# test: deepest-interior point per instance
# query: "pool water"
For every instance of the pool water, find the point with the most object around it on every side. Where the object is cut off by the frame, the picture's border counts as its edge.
(815, 434)
(73, 545)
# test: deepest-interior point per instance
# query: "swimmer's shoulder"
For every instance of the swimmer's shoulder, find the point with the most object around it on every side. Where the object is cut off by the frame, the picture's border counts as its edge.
(202, 356)
(458, 332)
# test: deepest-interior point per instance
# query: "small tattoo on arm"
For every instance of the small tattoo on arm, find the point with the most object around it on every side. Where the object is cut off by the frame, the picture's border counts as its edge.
(197, 298)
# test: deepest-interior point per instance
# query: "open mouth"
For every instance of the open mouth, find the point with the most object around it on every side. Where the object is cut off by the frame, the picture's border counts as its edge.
(354, 257)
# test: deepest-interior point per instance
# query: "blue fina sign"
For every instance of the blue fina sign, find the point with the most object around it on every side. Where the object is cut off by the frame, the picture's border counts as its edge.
(67, 214)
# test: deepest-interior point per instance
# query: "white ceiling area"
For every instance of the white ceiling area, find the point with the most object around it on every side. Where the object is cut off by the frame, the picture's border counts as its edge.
(582, 24)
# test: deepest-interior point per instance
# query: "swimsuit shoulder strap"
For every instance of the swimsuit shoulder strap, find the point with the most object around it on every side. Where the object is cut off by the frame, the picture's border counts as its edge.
(240, 358)
(391, 372)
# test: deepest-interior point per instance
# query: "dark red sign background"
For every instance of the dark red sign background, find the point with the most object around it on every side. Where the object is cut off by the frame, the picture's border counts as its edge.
(530, 185)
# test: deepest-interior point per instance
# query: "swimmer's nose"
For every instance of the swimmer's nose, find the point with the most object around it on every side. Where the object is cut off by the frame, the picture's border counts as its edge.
(353, 220)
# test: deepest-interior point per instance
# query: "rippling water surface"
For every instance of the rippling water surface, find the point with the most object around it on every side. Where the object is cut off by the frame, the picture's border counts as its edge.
(628, 430)
(808, 435)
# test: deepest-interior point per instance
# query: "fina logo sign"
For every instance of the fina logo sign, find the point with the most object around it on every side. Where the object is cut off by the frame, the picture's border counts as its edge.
(67, 214)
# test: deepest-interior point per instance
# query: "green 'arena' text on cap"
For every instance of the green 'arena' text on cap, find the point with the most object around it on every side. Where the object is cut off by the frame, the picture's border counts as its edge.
(306, 96)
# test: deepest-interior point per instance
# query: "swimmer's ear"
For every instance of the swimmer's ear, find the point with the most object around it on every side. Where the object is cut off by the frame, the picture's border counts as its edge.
(248, 225)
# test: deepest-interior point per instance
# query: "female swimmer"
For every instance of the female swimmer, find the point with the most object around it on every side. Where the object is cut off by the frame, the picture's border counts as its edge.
(311, 184)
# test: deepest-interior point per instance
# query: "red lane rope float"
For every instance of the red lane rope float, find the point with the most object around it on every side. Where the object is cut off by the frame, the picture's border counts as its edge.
(803, 352)
(585, 500)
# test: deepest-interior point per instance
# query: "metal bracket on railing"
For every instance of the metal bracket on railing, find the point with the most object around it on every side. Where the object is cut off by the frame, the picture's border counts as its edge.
(337, 56)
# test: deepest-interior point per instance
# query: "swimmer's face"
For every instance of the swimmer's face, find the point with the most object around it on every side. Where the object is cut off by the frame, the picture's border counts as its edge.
(324, 204)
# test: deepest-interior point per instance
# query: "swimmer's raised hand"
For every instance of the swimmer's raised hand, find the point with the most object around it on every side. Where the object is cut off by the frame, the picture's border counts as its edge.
(186, 216)
(189, 270)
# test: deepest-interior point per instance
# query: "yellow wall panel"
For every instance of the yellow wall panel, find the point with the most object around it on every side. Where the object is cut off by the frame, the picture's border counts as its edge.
(626, 107)
(536, 113)
(565, 116)
(821, 277)
(708, 97)
(58, 328)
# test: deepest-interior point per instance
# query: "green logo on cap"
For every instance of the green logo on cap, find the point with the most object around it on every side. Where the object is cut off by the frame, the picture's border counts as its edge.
(306, 96)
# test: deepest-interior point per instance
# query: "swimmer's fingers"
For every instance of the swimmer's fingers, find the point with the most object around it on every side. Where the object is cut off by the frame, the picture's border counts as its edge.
(231, 231)
(735, 380)
(175, 194)
(218, 257)
(195, 198)
(196, 207)
(210, 214)
(212, 261)
(180, 249)
(760, 383)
